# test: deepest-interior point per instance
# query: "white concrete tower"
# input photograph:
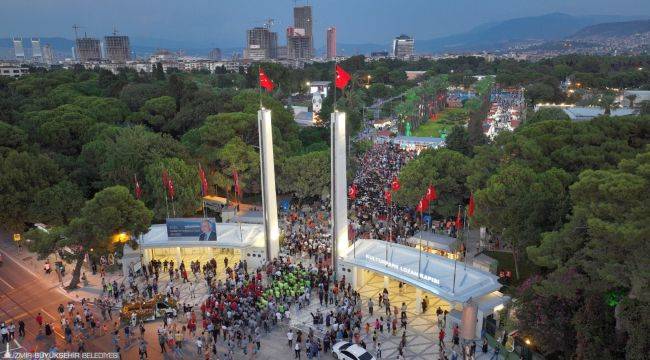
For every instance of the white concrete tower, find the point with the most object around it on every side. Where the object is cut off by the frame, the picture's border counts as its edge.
(269, 202)
(339, 192)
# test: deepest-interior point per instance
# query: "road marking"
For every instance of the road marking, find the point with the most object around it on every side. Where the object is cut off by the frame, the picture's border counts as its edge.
(59, 289)
(6, 283)
(48, 314)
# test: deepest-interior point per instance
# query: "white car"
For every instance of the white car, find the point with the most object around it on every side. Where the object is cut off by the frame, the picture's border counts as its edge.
(344, 350)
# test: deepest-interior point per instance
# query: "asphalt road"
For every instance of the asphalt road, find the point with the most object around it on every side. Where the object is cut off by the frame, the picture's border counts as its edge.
(23, 295)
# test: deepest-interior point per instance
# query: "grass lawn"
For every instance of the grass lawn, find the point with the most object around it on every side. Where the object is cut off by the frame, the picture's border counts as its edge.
(431, 129)
(447, 119)
(506, 262)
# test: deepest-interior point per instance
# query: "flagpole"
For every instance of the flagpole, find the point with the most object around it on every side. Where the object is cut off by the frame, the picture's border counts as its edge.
(453, 289)
(466, 237)
(420, 250)
(334, 103)
(259, 82)
(166, 204)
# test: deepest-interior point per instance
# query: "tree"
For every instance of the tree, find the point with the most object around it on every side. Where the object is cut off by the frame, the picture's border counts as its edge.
(158, 111)
(23, 174)
(305, 176)
(547, 113)
(521, 204)
(237, 155)
(540, 92)
(108, 110)
(631, 98)
(110, 212)
(446, 169)
(11, 137)
(458, 140)
(57, 204)
(645, 107)
(117, 154)
(63, 130)
(186, 187)
(135, 95)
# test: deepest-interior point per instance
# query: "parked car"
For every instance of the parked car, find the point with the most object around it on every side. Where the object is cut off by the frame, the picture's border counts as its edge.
(344, 350)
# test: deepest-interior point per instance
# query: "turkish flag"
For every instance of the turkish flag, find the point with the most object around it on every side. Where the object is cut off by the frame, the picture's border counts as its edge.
(352, 192)
(388, 196)
(265, 82)
(395, 184)
(170, 188)
(431, 193)
(342, 77)
(458, 221)
(165, 180)
(470, 209)
(204, 181)
(420, 207)
(138, 189)
(235, 176)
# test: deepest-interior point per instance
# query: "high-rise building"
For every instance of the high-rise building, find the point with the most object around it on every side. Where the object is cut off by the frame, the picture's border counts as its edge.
(37, 54)
(118, 48)
(403, 47)
(215, 54)
(19, 50)
(302, 19)
(331, 42)
(48, 54)
(88, 49)
(261, 44)
(298, 47)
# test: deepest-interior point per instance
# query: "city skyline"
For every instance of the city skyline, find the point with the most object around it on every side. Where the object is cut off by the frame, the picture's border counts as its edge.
(224, 24)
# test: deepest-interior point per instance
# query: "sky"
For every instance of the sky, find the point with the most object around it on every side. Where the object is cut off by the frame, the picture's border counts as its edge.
(223, 23)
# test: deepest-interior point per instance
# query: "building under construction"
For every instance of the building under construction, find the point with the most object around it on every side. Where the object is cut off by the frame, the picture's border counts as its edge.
(88, 49)
(261, 44)
(19, 50)
(37, 53)
(118, 48)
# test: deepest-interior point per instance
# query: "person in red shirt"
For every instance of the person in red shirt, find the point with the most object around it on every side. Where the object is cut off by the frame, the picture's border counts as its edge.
(441, 338)
(39, 319)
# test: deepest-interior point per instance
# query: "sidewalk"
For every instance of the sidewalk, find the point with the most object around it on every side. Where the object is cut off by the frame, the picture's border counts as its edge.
(30, 262)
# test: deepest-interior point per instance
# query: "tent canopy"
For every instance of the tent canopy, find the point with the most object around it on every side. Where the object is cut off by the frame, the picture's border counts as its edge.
(434, 240)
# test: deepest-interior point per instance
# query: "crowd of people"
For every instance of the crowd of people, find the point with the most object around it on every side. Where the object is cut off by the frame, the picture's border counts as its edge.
(307, 231)
(371, 215)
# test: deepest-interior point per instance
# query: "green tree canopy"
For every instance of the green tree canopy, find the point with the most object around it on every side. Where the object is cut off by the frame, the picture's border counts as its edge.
(446, 170)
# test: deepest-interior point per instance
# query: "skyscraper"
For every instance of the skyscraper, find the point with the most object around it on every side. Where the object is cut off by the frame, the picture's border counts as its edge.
(48, 54)
(118, 48)
(37, 54)
(215, 54)
(19, 50)
(261, 44)
(302, 19)
(88, 49)
(331, 42)
(403, 47)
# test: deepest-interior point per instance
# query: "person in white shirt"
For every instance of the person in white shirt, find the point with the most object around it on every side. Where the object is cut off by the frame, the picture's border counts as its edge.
(290, 338)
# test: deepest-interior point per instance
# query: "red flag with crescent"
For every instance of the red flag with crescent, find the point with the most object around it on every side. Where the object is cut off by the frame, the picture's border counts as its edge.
(395, 184)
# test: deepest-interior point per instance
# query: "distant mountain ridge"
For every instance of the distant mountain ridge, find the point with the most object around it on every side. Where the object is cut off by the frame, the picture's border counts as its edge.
(612, 29)
(485, 37)
(554, 26)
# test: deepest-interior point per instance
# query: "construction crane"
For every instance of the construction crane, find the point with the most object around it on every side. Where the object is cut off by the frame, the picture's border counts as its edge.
(266, 23)
(76, 28)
